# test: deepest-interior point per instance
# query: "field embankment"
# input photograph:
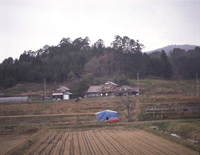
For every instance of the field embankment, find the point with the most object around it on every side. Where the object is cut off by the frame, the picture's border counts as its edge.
(187, 133)
(147, 86)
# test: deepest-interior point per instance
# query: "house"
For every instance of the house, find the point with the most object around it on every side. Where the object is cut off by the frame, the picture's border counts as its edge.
(105, 115)
(126, 90)
(62, 93)
(106, 89)
(93, 91)
(110, 89)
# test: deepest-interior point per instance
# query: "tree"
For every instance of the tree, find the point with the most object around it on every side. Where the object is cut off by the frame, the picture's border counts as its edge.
(65, 41)
(92, 66)
(117, 43)
(99, 44)
(85, 42)
(84, 83)
(125, 43)
(130, 103)
(98, 48)
(78, 43)
(138, 47)
(121, 80)
(81, 44)
(167, 68)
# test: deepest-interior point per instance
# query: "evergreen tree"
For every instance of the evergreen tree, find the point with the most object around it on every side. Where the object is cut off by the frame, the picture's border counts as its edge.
(166, 66)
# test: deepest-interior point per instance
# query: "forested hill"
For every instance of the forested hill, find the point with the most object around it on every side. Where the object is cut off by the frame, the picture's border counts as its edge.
(168, 49)
(77, 60)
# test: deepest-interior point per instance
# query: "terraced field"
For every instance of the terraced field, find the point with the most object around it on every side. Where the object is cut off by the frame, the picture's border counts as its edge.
(105, 142)
(9, 142)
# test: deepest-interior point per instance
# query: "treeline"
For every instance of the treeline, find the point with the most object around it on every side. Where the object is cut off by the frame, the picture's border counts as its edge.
(72, 60)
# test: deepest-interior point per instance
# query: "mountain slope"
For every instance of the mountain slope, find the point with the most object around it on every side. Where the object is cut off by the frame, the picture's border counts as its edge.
(169, 48)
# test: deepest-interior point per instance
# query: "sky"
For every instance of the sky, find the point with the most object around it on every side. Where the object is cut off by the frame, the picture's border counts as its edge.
(32, 24)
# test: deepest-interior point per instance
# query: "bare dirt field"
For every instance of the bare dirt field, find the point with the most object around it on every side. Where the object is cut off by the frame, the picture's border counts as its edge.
(105, 141)
(9, 142)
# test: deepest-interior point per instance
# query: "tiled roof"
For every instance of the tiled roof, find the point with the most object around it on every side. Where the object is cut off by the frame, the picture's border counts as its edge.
(62, 89)
(127, 88)
(112, 83)
(101, 89)
(94, 89)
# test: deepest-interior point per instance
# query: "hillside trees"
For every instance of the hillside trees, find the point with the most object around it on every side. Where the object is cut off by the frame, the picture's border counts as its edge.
(186, 64)
(7, 73)
(98, 48)
(127, 45)
(166, 66)
(72, 60)
(93, 66)
(157, 64)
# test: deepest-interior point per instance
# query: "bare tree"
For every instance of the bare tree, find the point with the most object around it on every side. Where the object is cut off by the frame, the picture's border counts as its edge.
(130, 103)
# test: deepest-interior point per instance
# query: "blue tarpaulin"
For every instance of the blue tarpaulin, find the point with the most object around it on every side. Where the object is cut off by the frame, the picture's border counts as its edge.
(105, 115)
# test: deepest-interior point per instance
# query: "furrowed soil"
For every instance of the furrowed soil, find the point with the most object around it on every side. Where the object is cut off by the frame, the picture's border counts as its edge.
(105, 141)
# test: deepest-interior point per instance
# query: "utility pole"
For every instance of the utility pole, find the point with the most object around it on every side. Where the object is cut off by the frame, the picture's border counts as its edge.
(197, 85)
(138, 83)
(44, 89)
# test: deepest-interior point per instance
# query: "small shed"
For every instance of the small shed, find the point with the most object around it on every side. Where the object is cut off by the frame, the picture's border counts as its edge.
(62, 93)
(105, 115)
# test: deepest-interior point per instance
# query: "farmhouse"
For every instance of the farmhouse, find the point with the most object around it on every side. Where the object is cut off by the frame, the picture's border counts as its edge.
(110, 89)
(62, 93)
(126, 90)
(106, 89)
(93, 91)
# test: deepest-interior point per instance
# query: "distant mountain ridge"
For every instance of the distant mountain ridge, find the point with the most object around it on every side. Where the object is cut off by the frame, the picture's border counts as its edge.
(169, 48)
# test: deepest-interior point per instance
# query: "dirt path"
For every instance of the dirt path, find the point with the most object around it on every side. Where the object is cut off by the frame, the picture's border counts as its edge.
(69, 114)
(146, 122)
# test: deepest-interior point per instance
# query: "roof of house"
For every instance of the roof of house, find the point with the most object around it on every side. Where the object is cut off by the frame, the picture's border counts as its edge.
(112, 83)
(101, 88)
(94, 89)
(127, 88)
(62, 89)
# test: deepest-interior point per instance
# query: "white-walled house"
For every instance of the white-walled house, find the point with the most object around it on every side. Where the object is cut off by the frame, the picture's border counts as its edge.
(62, 93)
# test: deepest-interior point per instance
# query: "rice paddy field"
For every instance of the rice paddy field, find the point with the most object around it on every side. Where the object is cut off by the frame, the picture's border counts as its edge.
(97, 141)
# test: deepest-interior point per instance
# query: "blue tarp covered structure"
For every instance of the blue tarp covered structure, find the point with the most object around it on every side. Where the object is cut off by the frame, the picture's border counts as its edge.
(105, 115)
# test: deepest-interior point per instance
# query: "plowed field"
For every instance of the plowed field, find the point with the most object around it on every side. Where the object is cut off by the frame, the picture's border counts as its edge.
(9, 142)
(105, 142)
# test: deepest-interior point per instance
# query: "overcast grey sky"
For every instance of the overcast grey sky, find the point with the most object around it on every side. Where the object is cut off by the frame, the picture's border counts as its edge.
(31, 24)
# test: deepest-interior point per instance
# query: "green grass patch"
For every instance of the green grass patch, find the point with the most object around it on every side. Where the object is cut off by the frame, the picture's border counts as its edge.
(185, 129)
(166, 125)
